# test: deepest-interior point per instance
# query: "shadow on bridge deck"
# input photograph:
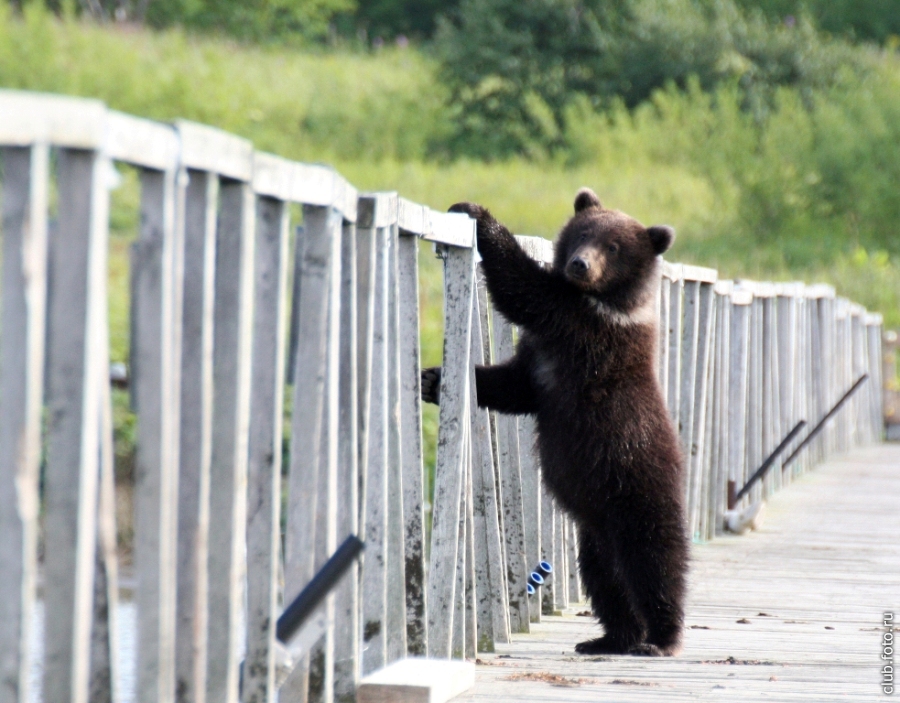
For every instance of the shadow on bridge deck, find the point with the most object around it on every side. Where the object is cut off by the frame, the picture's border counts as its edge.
(791, 612)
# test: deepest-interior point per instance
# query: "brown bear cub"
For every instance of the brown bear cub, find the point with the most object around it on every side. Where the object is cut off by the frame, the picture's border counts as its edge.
(609, 453)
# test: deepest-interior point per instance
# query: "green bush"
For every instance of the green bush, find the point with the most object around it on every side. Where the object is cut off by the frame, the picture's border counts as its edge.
(514, 67)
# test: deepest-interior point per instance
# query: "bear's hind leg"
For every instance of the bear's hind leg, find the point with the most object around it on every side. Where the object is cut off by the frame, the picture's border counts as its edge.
(653, 569)
(609, 599)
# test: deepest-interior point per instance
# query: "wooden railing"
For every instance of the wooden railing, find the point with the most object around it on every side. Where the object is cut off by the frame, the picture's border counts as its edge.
(217, 341)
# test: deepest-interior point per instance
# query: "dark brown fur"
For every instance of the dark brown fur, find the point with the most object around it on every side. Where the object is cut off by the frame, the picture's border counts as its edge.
(609, 453)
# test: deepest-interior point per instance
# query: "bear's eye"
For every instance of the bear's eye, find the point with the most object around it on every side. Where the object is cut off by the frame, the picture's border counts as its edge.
(583, 237)
(613, 248)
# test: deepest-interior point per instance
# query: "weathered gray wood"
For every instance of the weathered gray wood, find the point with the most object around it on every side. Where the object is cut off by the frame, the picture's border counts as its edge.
(548, 550)
(561, 567)
(235, 263)
(490, 588)
(313, 275)
(411, 446)
(574, 584)
(460, 621)
(346, 602)
(417, 681)
(396, 586)
(264, 464)
(687, 382)
(663, 346)
(471, 607)
(676, 314)
(154, 399)
(76, 314)
(738, 380)
(200, 207)
(374, 576)
(697, 452)
(22, 323)
(105, 642)
(459, 284)
(517, 569)
(531, 499)
(321, 673)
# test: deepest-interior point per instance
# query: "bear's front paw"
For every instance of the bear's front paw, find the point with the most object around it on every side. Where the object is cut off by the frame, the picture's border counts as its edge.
(476, 212)
(431, 385)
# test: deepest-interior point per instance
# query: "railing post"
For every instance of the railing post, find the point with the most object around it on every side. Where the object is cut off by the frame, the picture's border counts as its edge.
(25, 189)
(459, 279)
(200, 211)
(265, 445)
(76, 314)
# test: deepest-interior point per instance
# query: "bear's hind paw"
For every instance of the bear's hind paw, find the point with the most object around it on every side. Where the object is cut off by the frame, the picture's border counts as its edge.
(645, 649)
(601, 645)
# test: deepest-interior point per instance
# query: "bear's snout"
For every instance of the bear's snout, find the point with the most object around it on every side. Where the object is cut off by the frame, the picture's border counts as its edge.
(585, 267)
(578, 267)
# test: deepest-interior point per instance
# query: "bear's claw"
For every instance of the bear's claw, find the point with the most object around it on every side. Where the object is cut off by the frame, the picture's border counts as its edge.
(431, 385)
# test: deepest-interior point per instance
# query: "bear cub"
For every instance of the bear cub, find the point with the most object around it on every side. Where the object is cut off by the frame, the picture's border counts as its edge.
(585, 367)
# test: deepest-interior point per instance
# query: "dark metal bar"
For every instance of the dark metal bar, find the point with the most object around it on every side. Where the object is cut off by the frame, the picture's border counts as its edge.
(295, 615)
(761, 471)
(815, 430)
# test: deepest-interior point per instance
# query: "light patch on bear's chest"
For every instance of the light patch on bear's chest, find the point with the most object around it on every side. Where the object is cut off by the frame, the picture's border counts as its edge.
(644, 314)
(544, 371)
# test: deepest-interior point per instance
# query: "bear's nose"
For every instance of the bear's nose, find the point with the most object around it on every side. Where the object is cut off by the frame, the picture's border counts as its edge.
(578, 267)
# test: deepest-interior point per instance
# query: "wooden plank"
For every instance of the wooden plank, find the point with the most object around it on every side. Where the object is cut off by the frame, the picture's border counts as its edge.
(451, 228)
(105, 640)
(459, 275)
(676, 315)
(471, 638)
(687, 382)
(697, 452)
(411, 447)
(154, 402)
(574, 584)
(738, 385)
(321, 671)
(374, 576)
(531, 498)
(417, 681)
(76, 314)
(396, 535)
(561, 567)
(195, 439)
(141, 142)
(517, 569)
(209, 149)
(28, 118)
(235, 261)
(24, 200)
(312, 277)
(548, 550)
(346, 602)
(490, 587)
(265, 439)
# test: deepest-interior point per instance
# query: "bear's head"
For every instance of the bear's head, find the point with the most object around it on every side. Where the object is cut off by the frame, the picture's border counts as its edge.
(608, 254)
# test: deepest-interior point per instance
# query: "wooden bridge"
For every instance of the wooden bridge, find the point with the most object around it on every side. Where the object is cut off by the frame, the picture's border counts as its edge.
(231, 314)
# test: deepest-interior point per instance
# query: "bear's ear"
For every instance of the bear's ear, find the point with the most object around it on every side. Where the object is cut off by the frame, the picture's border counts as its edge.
(586, 198)
(661, 237)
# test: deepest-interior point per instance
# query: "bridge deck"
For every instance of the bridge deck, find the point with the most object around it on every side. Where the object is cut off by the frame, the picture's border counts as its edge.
(791, 612)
